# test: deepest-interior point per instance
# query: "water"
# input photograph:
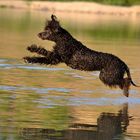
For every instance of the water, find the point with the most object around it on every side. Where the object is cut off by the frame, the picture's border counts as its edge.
(57, 102)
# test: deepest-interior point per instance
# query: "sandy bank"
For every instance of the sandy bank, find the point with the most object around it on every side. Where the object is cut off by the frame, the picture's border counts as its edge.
(77, 7)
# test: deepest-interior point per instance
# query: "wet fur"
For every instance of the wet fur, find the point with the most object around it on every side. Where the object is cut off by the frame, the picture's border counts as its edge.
(74, 54)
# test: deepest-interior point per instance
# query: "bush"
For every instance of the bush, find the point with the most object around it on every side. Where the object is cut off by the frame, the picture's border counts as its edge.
(111, 2)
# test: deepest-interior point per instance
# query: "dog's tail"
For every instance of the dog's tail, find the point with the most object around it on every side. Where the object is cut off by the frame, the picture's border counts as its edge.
(129, 77)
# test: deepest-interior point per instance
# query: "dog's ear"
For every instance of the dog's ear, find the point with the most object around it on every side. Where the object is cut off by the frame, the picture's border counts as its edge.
(53, 17)
(52, 24)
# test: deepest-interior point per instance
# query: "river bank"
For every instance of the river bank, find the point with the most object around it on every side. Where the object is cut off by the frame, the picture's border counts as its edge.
(74, 7)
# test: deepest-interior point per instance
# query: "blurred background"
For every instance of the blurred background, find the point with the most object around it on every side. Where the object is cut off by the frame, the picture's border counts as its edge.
(56, 102)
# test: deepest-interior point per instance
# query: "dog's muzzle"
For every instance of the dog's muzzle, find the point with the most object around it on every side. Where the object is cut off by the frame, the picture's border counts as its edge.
(44, 35)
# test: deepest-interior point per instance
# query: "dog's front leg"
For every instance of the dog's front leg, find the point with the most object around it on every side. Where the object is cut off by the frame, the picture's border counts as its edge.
(52, 59)
(39, 50)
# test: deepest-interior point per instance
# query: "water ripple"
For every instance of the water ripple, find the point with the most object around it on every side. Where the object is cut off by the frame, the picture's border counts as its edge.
(104, 101)
(51, 101)
(35, 89)
(2, 60)
(61, 100)
(19, 66)
(39, 68)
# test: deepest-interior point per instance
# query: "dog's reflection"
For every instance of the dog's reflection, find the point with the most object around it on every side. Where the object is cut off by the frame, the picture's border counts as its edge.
(109, 126)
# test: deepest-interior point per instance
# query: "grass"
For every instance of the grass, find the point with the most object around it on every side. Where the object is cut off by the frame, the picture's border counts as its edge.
(110, 2)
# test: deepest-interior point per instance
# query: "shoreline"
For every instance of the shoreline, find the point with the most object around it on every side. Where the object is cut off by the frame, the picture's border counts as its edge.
(72, 7)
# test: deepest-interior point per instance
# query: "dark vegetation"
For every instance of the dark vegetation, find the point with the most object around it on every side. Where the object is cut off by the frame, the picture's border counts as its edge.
(111, 2)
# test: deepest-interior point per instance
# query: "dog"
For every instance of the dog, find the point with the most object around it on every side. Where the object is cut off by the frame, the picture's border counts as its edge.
(74, 54)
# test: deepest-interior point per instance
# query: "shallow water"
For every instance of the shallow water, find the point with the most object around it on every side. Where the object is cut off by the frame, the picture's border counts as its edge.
(57, 102)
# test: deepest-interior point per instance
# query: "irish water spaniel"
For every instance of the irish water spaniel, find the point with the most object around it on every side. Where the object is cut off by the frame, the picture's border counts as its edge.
(74, 54)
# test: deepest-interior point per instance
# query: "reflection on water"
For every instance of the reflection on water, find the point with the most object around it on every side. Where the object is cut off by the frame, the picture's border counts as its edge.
(58, 103)
(109, 126)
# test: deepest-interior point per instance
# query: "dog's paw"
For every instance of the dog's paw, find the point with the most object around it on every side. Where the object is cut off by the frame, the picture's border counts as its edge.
(32, 48)
(27, 59)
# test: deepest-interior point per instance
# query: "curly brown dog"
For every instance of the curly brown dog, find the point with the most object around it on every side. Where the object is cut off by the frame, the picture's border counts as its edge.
(77, 56)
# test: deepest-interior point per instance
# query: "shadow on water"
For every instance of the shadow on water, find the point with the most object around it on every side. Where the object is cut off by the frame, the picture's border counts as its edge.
(109, 126)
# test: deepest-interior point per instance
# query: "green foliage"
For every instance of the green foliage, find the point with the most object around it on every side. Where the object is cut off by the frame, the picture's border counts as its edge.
(112, 2)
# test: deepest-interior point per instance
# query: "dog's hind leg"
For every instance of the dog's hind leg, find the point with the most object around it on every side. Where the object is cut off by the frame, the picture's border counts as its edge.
(125, 85)
(112, 78)
(108, 78)
(39, 50)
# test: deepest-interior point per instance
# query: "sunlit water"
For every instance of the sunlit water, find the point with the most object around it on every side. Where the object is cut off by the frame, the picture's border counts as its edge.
(57, 102)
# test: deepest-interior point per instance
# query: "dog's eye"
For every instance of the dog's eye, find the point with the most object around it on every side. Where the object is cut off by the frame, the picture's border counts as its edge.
(46, 28)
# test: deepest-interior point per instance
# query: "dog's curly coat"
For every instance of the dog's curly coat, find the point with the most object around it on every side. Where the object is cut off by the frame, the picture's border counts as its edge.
(77, 56)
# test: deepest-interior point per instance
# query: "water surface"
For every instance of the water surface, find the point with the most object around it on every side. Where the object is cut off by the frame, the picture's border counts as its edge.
(57, 102)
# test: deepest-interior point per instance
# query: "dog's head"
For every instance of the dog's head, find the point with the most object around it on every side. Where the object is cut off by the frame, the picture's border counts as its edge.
(51, 29)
